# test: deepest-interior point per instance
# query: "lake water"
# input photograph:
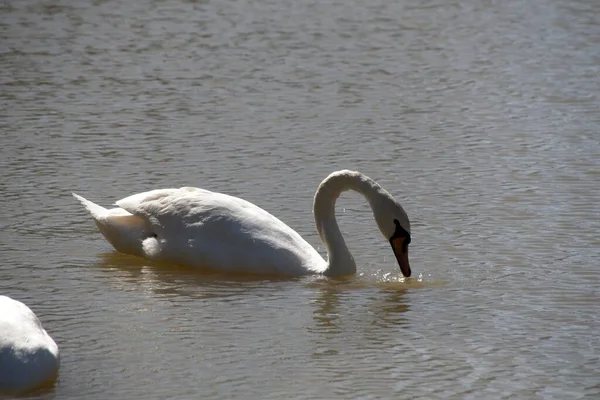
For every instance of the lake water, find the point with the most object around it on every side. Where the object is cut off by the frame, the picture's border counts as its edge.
(481, 117)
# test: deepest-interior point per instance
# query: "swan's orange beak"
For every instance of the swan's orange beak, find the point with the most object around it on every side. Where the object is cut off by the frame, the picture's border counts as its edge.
(401, 252)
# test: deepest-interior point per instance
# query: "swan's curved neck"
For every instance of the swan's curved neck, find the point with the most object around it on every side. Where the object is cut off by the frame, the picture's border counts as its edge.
(340, 261)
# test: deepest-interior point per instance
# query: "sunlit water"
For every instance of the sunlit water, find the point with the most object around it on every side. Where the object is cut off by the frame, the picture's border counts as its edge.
(481, 117)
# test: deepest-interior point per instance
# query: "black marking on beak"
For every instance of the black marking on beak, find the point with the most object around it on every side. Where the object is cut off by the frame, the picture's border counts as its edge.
(401, 251)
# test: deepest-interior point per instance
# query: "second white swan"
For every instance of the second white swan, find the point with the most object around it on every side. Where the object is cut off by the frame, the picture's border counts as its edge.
(29, 357)
(199, 228)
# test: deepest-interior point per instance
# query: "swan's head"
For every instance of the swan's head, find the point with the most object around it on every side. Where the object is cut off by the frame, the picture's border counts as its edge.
(395, 227)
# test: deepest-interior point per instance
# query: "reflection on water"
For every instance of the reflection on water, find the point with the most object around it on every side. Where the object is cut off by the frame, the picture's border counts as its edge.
(480, 117)
(176, 280)
(173, 280)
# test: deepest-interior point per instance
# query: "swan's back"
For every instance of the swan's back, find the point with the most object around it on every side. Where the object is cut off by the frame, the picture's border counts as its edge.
(200, 228)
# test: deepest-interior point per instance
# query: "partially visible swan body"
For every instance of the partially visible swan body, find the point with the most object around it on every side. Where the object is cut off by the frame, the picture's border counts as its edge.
(199, 228)
(29, 357)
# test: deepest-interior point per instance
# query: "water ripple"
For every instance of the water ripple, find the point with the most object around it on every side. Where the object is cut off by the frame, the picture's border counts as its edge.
(481, 118)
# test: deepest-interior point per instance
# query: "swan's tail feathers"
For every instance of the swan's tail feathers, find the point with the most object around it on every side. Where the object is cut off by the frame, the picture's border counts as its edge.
(123, 230)
(97, 211)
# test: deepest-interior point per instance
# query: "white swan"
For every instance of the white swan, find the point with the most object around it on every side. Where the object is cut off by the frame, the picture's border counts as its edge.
(198, 228)
(29, 357)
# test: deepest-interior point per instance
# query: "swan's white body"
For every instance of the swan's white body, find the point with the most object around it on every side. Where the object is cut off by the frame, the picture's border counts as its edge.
(29, 357)
(199, 228)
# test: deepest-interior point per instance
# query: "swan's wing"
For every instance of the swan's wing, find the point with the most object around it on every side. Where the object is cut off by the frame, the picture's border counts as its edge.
(196, 226)
(141, 203)
(188, 206)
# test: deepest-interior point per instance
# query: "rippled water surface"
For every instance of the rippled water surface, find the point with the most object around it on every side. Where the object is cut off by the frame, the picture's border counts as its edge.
(480, 116)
